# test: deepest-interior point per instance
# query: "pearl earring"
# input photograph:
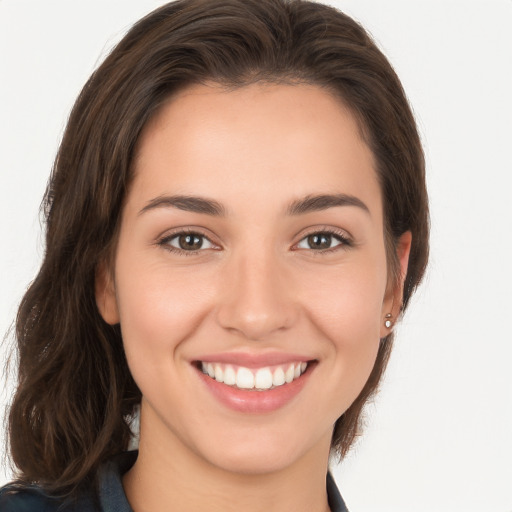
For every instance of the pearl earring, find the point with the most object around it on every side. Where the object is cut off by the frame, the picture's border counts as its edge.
(388, 323)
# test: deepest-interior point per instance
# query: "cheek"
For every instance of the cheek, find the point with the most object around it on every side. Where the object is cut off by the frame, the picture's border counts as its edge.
(350, 327)
(159, 309)
(347, 305)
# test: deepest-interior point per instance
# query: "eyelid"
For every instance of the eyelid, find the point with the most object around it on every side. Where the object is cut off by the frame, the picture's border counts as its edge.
(346, 240)
(171, 239)
(163, 239)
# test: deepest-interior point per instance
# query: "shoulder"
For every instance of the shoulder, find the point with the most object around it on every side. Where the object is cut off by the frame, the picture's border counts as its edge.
(107, 495)
(34, 499)
(13, 499)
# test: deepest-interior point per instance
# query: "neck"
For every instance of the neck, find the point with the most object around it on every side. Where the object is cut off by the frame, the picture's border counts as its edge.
(169, 476)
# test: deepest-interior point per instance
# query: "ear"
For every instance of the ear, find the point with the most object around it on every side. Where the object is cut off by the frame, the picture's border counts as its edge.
(105, 292)
(393, 300)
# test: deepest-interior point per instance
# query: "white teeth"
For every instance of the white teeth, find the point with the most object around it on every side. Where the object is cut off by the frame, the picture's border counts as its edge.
(219, 374)
(229, 376)
(278, 377)
(290, 373)
(261, 379)
(244, 378)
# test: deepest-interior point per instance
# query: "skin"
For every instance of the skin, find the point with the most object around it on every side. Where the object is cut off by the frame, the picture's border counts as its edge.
(256, 286)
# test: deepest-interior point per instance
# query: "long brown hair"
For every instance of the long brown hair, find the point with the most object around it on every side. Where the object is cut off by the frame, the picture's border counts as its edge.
(75, 395)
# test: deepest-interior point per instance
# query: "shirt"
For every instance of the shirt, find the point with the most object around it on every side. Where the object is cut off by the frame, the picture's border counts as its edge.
(111, 496)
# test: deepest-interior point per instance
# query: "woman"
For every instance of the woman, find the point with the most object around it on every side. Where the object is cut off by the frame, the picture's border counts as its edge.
(236, 219)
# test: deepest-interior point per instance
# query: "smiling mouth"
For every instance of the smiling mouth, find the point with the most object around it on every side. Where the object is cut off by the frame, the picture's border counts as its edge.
(256, 379)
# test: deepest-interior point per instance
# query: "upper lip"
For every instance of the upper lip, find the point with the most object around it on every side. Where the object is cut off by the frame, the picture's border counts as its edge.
(248, 360)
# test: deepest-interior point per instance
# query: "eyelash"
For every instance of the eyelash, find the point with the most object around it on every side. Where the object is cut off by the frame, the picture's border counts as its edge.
(340, 236)
(165, 242)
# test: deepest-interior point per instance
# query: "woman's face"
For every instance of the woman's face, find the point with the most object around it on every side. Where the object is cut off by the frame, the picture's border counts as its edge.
(251, 248)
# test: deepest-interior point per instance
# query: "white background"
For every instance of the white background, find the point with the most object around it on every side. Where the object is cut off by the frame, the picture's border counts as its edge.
(439, 435)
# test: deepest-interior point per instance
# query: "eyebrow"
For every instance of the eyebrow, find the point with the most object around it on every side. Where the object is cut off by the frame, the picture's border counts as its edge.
(315, 203)
(308, 204)
(187, 203)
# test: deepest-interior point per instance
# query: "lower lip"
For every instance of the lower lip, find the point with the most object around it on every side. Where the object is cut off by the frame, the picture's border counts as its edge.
(253, 401)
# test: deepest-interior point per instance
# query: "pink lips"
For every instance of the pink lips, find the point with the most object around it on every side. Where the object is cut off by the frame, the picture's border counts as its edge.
(255, 401)
(254, 360)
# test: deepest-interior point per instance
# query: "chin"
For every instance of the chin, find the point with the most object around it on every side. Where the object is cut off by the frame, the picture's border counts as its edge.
(253, 461)
(261, 453)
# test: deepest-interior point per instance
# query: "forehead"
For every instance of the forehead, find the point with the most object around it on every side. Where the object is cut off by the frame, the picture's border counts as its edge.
(268, 140)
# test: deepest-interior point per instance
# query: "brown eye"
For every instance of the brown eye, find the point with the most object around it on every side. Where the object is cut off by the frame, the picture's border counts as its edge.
(189, 242)
(319, 241)
(323, 241)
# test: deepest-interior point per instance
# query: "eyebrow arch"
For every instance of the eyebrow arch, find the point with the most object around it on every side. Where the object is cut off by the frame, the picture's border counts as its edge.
(314, 203)
(187, 203)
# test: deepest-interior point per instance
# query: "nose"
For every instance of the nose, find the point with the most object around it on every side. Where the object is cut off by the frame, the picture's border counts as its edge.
(257, 298)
